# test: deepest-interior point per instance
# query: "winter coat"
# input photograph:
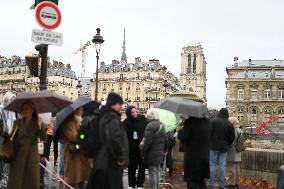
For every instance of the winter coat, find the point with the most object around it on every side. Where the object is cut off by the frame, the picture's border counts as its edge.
(114, 141)
(153, 144)
(222, 133)
(77, 168)
(195, 136)
(135, 129)
(24, 169)
(233, 155)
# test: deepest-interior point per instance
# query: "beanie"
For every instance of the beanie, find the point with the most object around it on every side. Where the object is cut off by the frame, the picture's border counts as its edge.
(114, 98)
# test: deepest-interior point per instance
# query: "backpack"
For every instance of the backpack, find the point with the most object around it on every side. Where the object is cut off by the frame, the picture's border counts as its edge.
(88, 136)
(240, 143)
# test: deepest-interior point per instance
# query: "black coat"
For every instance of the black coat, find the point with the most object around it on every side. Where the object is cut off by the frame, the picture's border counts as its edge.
(195, 136)
(223, 134)
(153, 145)
(131, 126)
(113, 138)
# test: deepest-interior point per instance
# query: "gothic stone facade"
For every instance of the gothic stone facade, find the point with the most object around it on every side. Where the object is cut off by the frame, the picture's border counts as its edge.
(255, 91)
(193, 71)
(142, 84)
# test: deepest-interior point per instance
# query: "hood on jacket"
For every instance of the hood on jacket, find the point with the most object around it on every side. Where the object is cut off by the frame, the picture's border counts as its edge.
(223, 113)
(128, 112)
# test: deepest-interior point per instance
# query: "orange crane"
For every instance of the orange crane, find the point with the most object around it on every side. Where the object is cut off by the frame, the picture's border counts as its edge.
(260, 129)
(83, 50)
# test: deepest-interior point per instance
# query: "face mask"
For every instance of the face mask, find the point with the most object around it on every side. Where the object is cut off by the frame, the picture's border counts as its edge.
(79, 119)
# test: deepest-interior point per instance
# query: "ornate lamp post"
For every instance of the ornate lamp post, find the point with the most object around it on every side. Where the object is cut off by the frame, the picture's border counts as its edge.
(166, 85)
(79, 87)
(97, 40)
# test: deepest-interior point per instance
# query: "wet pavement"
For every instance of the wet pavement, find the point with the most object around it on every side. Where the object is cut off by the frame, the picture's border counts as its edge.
(51, 182)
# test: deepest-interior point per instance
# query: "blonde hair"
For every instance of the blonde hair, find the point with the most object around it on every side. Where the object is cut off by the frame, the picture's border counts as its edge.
(152, 114)
(235, 122)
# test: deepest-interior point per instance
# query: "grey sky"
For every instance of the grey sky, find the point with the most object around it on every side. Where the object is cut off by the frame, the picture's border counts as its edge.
(156, 29)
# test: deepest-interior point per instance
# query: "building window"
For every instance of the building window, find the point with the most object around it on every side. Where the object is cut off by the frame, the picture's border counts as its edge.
(241, 94)
(254, 94)
(138, 87)
(189, 64)
(120, 87)
(267, 113)
(121, 77)
(194, 64)
(281, 93)
(253, 117)
(267, 94)
(240, 114)
(281, 117)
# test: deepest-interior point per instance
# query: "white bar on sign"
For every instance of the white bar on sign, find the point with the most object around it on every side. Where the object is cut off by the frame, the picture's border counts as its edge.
(47, 37)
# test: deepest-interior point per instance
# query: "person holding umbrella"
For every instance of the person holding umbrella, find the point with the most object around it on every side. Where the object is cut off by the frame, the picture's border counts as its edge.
(135, 126)
(24, 169)
(195, 137)
(77, 168)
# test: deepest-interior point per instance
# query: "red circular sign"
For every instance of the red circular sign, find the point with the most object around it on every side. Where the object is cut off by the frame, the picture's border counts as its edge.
(48, 15)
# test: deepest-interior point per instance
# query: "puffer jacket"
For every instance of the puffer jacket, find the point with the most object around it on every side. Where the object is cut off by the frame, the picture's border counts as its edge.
(153, 144)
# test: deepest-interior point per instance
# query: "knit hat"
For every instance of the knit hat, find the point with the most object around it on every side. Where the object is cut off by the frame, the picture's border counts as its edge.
(223, 113)
(114, 98)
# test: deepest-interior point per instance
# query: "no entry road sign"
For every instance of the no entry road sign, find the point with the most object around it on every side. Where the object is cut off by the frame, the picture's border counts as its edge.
(47, 37)
(48, 15)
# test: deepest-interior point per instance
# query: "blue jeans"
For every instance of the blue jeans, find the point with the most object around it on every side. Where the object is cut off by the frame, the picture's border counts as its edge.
(61, 163)
(280, 178)
(220, 158)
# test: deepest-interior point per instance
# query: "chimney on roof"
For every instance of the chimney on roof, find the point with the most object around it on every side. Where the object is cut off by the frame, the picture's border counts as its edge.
(68, 67)
(137, 60)
(114, 62)
(154, 61)
(250, 63)
(236, 62)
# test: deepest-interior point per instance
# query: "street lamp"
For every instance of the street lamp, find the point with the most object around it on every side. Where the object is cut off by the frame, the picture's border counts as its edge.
(166, 85)
(98, 40)
(79, 87)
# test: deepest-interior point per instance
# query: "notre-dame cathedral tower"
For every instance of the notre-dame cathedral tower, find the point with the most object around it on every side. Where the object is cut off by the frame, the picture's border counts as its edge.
(193, 71)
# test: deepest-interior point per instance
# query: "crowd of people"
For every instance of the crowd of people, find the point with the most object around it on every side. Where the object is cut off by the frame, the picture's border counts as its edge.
(137, 143)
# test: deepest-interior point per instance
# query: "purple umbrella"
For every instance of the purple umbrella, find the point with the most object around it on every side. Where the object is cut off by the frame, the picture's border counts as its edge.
(44, 101)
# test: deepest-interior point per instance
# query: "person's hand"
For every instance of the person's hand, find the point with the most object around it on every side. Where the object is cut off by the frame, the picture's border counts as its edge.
(120, 163)
(179, 128)
(40, 122)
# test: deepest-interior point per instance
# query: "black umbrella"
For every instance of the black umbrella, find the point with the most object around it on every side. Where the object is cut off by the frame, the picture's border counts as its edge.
(89, 106)
(183, 106)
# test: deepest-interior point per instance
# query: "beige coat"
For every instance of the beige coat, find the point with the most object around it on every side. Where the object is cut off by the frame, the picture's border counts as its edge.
(24, 170)
(76, 166)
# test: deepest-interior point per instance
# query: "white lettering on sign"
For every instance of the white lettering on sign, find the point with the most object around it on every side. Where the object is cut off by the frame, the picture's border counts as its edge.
(47, 37)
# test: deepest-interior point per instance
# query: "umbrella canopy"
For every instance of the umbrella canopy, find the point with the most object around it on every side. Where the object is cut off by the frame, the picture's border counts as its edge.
(169, 119)
(89, 106)
(183, 106)
(44, 101)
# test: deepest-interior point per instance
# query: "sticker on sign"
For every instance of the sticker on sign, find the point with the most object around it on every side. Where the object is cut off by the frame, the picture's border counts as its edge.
(47, 37)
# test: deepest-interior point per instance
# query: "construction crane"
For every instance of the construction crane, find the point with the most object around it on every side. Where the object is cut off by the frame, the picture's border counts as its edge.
(83, 50)
(260, 129)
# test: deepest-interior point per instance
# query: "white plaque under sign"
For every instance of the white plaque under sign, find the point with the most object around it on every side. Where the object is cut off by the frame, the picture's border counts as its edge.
(47, 37)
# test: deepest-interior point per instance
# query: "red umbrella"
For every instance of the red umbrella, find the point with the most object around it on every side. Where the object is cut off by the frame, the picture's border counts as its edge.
(44, 101)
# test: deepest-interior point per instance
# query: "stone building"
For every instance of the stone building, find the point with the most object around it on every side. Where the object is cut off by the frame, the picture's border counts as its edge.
(255, 91)
(141, 83)
(193, 71)
(16, 76)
